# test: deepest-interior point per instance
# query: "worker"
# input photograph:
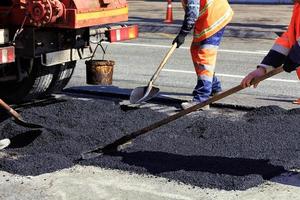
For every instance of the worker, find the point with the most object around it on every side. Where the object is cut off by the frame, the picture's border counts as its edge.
(285, 51)
(208, 18)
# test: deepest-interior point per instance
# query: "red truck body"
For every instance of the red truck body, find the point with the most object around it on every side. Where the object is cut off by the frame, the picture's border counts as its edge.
(41, 40)
(65, 13)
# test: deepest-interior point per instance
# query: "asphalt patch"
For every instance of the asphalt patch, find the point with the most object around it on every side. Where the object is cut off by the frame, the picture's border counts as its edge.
(213, 149)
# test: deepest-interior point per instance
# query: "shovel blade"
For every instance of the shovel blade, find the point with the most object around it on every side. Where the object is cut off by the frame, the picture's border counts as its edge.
(141, 94)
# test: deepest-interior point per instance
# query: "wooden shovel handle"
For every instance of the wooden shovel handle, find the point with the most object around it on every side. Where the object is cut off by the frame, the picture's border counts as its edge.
(11, 111)
(196, 107)
(236, 89)
(127, 138)
(163, 62)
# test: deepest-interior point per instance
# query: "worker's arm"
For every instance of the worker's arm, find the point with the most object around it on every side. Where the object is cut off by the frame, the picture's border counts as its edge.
(276, 57)
(190, 17)
(283, 52)
(293, 59)
(280, 55)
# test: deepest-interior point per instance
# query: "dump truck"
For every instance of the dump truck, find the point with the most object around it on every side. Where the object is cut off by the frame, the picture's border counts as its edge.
(41, 41)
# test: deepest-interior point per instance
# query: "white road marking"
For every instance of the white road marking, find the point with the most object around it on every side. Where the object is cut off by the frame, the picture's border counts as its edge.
(221, 50)
(259, 52)
(232, 76)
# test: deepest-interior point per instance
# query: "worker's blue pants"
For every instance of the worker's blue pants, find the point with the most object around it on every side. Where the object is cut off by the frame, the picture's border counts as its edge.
(204, 56)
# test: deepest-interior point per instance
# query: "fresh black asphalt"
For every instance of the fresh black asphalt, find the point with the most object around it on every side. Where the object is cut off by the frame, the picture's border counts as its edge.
(221, 149)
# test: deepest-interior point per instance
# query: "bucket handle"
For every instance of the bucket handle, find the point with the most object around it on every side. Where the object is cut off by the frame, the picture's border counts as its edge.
(98, 44)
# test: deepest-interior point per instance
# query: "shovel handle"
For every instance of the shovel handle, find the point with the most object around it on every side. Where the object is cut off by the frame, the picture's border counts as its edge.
(127, 138)
(215, 98)
(163, 62)
(11, 111)
(234, 90)
(267, 75)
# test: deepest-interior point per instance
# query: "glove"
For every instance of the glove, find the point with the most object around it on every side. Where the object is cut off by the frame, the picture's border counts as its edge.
(180, 38)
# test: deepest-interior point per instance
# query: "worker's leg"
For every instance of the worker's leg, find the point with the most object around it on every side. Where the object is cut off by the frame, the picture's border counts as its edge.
(216, 85)
(204, 55)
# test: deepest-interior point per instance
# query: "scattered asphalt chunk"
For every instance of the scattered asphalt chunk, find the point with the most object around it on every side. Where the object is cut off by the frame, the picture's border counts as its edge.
(213, 149)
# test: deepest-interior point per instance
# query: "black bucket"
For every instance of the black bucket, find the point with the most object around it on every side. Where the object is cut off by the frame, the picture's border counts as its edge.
(99, 72)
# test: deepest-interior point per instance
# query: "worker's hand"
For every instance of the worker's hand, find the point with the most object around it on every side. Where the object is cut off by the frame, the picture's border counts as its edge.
(246, 82)
(179, 38)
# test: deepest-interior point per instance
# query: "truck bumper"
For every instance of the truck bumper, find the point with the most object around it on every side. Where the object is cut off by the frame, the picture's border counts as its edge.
(67, 55)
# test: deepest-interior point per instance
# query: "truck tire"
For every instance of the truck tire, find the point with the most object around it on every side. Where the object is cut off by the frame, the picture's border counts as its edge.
(41, 82)
(61, 77)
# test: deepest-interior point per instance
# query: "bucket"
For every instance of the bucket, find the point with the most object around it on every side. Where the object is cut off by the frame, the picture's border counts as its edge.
(99, 72)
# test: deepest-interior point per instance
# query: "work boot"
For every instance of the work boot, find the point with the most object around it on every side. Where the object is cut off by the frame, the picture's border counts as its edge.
(4, 143)
(186, 105)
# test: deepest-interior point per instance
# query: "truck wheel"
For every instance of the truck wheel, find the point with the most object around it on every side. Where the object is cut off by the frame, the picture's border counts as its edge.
(41, 81)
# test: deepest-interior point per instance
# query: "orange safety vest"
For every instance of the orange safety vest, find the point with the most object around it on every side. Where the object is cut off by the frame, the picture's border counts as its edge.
(213, 16)
(284, 43)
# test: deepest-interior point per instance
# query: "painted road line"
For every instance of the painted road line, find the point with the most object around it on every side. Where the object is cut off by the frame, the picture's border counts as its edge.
(258, 52)
(232, 76)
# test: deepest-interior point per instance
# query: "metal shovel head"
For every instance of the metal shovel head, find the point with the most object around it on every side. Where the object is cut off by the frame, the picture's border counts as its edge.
(141, 94)
(114, 147)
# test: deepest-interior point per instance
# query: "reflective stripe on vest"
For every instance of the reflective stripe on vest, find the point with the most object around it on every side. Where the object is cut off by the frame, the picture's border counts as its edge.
(281, 49)
(214, 15)
(219, 24)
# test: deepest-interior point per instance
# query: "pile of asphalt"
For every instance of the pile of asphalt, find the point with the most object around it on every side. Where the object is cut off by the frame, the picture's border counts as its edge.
(224, 150)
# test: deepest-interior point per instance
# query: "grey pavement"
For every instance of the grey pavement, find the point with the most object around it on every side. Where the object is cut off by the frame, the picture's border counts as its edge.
(249, 21)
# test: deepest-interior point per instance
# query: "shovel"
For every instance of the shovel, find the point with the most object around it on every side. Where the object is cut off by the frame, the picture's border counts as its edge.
(141, 94)
(123, 141)
(17, 116)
